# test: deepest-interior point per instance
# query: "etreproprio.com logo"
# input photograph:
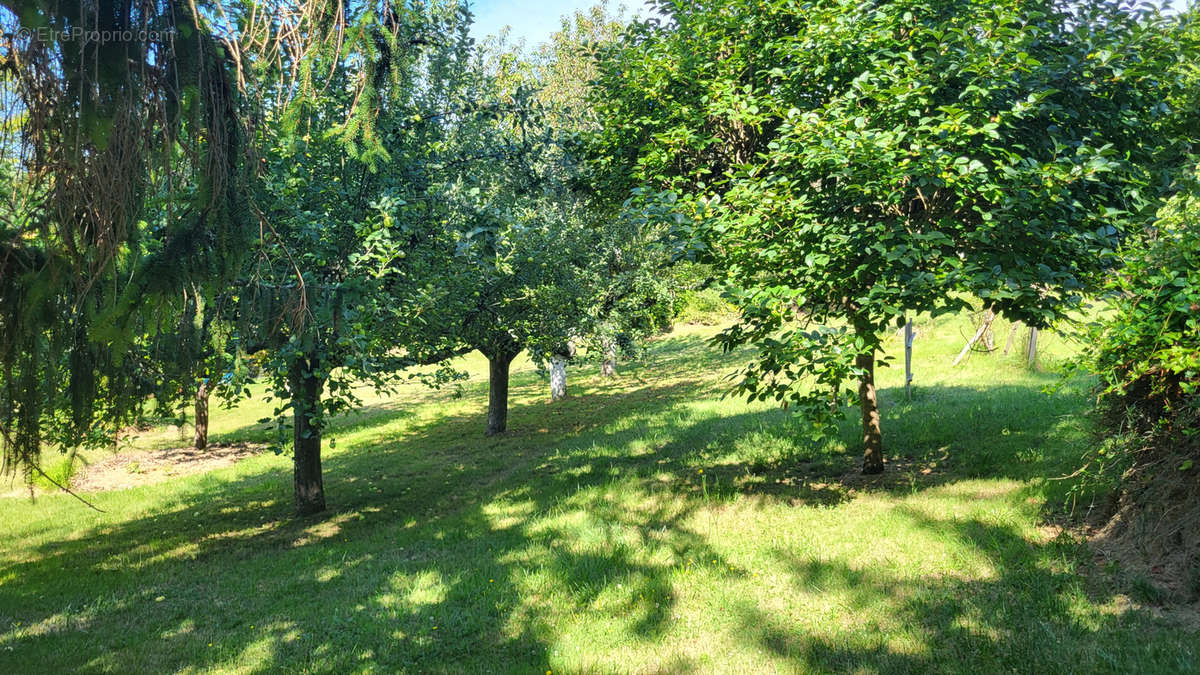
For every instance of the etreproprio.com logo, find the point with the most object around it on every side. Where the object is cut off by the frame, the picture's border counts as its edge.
(88, 36)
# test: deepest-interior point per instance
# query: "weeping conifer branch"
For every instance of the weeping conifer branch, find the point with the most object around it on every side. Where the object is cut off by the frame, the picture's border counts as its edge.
(124, 132)
(128, 168)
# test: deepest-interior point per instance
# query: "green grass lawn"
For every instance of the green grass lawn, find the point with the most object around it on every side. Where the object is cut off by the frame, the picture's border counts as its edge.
(642, 525)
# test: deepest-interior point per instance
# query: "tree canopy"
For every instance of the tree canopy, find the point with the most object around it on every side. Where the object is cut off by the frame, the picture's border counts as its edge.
(848, 164)
(349, 189)
(126, 186)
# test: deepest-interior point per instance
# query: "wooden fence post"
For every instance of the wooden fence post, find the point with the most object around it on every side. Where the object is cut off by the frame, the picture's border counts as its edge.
(984, 327)
(1012, 333)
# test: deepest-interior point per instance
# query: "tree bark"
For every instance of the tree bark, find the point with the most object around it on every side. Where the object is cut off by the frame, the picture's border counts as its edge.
(609, 367)
(869, 402)
(558, 377)
(200, 440)
(306, 395)
(498, 364)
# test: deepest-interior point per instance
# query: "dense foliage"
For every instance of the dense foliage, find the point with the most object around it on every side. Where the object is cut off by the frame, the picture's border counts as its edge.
(1145, 348)
(538, 264)
(351, 238)
(125, 193)
(632, 290)
(518, 238)
(846, 164)
(342, 190)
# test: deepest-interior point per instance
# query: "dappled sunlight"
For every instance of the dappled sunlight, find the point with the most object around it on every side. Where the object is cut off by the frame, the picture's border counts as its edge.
(638, 521)
(330, 527)
(413, 591)
(191, 549)
(949, 612)
(61, 622)
(506, 514)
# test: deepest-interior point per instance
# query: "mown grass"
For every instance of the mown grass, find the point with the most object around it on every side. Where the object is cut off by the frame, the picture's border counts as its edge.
(642, 525)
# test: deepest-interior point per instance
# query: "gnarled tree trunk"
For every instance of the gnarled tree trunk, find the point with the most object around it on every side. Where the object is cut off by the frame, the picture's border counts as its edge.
(872, 434)
(200, 440)
(609, 367)
(306, 396)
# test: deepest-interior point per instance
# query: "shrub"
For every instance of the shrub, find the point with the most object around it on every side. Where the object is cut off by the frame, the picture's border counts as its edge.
(1147, 351)
(1146, 354)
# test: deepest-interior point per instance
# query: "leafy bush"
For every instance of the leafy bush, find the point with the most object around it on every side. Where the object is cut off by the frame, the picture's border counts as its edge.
(58, 473)
(698, 300)
(1146, 354)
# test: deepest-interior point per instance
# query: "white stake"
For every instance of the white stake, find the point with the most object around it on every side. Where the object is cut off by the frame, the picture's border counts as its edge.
(908, 374)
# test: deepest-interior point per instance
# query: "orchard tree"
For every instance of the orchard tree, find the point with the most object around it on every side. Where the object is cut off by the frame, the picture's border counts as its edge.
(631, 294)
(563, 68)
(540, 263)
(627, 284)
(130, 172)
(527, 293)
(350, 235)
(850, 163)
(518, 268)
(514, 277)
(632, 287)
(194, 359)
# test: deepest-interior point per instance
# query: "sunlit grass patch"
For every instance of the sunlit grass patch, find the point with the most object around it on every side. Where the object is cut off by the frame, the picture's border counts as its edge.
(644, 524)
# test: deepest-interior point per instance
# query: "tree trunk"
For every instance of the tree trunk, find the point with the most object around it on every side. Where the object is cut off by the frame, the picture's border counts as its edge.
(558, 377)
(200, 440)
(868, 401)
(609, 367)
(306, 395)
(498, 365)
(1031, 351)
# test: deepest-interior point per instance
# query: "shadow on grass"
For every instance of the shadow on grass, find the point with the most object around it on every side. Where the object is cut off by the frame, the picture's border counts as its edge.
(1024, 617)
(435, 535)
(195, 574)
